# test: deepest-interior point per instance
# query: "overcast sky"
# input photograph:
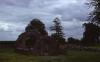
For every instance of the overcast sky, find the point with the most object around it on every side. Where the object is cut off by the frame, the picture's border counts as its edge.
(16, 14)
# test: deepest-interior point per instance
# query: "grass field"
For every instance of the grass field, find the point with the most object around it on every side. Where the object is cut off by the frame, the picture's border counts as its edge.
(8, 55)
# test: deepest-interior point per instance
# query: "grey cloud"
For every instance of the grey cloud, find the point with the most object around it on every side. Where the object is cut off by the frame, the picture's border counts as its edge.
(76, 11)
(16, 14)
(20, 3)
(5, 36)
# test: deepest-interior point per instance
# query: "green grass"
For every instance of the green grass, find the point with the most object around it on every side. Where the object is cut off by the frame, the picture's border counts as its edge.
(97, 46)
(8, 55)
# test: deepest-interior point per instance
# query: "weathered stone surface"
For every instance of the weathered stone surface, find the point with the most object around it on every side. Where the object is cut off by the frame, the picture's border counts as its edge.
(35, 40)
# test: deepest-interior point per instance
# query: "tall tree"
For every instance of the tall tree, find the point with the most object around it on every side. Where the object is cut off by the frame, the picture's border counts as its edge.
(92, 29)
(95, 15)
(58, 34)
(91, 34)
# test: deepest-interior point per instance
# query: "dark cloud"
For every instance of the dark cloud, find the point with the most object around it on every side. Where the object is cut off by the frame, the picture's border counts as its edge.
(16, 14)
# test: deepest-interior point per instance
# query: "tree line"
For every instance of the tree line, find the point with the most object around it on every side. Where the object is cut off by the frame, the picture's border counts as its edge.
(91, 35)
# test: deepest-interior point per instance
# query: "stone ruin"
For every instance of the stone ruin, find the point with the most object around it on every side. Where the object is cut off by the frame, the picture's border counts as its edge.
(35, 41)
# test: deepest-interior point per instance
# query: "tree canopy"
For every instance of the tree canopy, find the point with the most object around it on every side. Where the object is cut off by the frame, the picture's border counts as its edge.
(95, 15)
(58, 31)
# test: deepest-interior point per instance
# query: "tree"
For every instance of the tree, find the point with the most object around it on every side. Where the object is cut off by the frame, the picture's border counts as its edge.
(92, 28)
(72, 40)
(58, 34)
(91, 34)
(95, 15)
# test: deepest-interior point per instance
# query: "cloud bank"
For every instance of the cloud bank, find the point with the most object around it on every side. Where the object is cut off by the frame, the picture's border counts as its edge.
(16, 14)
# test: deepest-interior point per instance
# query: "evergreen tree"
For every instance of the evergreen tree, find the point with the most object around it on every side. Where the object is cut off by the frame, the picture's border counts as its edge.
(58, 34)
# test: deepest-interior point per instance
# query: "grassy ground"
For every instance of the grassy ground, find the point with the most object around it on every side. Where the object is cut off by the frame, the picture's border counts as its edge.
(8, 55)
